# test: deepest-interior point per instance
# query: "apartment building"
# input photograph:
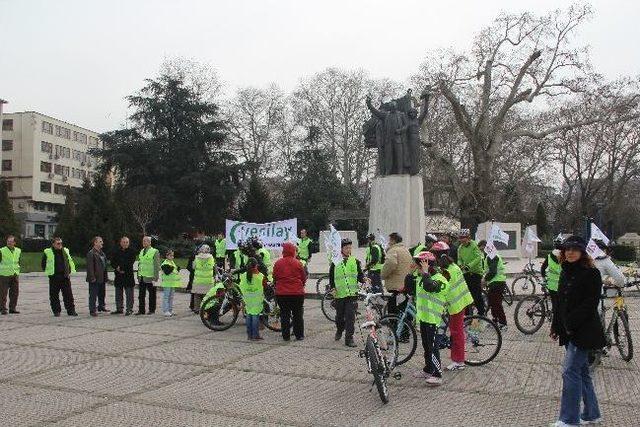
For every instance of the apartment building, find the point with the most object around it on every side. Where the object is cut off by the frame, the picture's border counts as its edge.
(41, 157)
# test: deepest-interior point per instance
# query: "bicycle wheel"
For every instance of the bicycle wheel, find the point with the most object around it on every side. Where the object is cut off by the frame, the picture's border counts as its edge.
(484, 340)
(377, 369)
(271, 314)
(406, 336)
(328, 306)
(219, 314)
(507, 296)
(622, 336)
(322, 284)
(530, 314)
(523, 285)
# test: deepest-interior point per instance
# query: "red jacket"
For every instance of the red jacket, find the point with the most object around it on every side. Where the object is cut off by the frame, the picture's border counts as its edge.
(288, 273)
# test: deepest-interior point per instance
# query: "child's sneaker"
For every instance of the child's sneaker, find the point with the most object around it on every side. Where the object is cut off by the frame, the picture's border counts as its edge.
(434, 381)
(455, 366)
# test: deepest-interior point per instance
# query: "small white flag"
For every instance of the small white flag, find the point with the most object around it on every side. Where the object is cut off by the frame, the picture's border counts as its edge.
(597, 234)
(593, 250)
(382, 239)
(490, 250)
(334, 245)
(530, 237)
(497, 235)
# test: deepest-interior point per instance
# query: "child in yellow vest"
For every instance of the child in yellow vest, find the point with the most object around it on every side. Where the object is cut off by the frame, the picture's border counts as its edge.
(169, 280)
(252, 284)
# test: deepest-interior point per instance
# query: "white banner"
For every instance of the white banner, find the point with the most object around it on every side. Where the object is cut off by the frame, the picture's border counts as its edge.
(272, 234)
(597, 234)
(594, 250)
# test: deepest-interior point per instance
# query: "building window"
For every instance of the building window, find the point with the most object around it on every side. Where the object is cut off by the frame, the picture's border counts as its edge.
(46, 147)
(38, 230)
(7, 165)
(7, 145)
(7, 124)
(9, 185)
(47, 128)
(45, 187)
(45, 167)
(80, 137)
(60, 189)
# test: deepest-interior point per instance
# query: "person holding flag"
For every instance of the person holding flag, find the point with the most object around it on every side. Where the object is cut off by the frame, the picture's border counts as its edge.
(470, 261)
(496, 280)
(374, 260)
(551, 269)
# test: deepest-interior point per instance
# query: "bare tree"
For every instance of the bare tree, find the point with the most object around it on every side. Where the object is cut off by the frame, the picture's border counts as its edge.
(143, 206)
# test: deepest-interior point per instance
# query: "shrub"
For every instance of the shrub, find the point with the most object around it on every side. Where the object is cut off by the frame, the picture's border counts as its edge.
(623, 252)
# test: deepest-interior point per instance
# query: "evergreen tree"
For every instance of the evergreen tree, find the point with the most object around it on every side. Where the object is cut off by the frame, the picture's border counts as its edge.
(67, 219)
(541, 220)
(8, 222)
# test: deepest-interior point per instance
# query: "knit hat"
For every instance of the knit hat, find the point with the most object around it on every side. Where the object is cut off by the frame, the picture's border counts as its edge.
(575, 242)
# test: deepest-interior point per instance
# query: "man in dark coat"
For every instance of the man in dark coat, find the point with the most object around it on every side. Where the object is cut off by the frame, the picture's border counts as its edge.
(122, 263)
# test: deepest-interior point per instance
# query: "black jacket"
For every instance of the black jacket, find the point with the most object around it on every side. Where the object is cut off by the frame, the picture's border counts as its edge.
(124, 258)
(577, 319)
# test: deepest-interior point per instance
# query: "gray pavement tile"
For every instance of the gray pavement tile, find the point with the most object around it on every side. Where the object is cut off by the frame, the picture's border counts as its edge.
(109, 342)
(22, 360)
(41, 334)
(26, 406)
(169, 327)
(113, 376)
(137, 414)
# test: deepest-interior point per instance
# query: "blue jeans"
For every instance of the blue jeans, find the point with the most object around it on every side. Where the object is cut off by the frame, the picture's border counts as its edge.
(252, 325)
(167, 300)
(576, 386)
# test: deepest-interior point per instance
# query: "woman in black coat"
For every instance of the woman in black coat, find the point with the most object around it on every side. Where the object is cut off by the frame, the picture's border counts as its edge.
(577, 326)
(122, 263)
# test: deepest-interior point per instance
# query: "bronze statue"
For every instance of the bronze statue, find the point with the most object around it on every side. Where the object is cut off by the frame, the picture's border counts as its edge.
(394, 129)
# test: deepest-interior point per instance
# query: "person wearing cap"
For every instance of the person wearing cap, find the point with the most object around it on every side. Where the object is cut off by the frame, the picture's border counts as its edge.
(458, 299)
(611, 274)
(429, 239)
(344, 279)
(397, 264)
(204, 272)
(495, 277)
(550, 271)
(374, 259)
(430, 288)
(470, 259)
(576, 325)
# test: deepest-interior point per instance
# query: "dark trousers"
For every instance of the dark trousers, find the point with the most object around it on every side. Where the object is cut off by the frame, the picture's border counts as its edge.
(376, 281)
(143, 288)
(123, 292)
(102, 295)
(495, 292)
(9, 285)
(57, 285)
(431, 351)
(220, 263)
(474, 282)
(94, 295)
(346, 316)
(554, 301)
(291, 307)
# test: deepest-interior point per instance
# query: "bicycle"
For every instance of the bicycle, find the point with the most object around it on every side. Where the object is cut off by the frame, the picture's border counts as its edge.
(632, 274)
(507, 296)
(527, 281)
(322, 284)
(328, 307)
(380, 348)
(617, 333)
(532, 310)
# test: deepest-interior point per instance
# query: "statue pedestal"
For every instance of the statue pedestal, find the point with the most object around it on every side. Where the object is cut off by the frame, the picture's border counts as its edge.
(397, 204)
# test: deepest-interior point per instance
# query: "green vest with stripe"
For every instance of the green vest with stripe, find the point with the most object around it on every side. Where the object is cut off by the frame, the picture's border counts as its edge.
(146, 261)
(211, 292)
(50, 266)
(345, 278)
(431, 305)
(458, 295)
(203, 271)
(418, 249)
(303, 248)
(471, 256)
(10, 264)
(501, 274)
(377, 266)
(171, 280)
(252, 293)
(553, 273)
(221, 248)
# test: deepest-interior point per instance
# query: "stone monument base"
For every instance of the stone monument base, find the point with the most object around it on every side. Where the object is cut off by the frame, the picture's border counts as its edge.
(397, 204)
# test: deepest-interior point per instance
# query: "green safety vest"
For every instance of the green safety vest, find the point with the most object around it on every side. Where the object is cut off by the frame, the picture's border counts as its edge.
(50, 266)
(378, 265)
(145, 262)
(211, 292)
(471, 257)
(303, 248)
(240, 258)
(266, 256)
(431, 305)
(458, 295)
(501, 275)
(553, 273)
(345, 278)
(252, 293)
(171, 280)
(418, 249)
(10, 264)
(221, 248)
(203, 271)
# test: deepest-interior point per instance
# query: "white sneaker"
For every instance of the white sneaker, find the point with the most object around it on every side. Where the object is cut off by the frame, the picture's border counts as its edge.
(588, 422)
(172, 314)
(455, 366)
(167, 314)
(434, 381)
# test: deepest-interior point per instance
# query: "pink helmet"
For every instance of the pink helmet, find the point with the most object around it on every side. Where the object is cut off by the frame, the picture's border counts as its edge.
(439, 246)
(425, 256)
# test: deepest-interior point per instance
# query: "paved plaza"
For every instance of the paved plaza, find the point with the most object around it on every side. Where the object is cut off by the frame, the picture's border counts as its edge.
(152, 371)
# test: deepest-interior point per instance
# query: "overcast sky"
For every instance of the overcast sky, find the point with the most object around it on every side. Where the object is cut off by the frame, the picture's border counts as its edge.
(77, 59)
